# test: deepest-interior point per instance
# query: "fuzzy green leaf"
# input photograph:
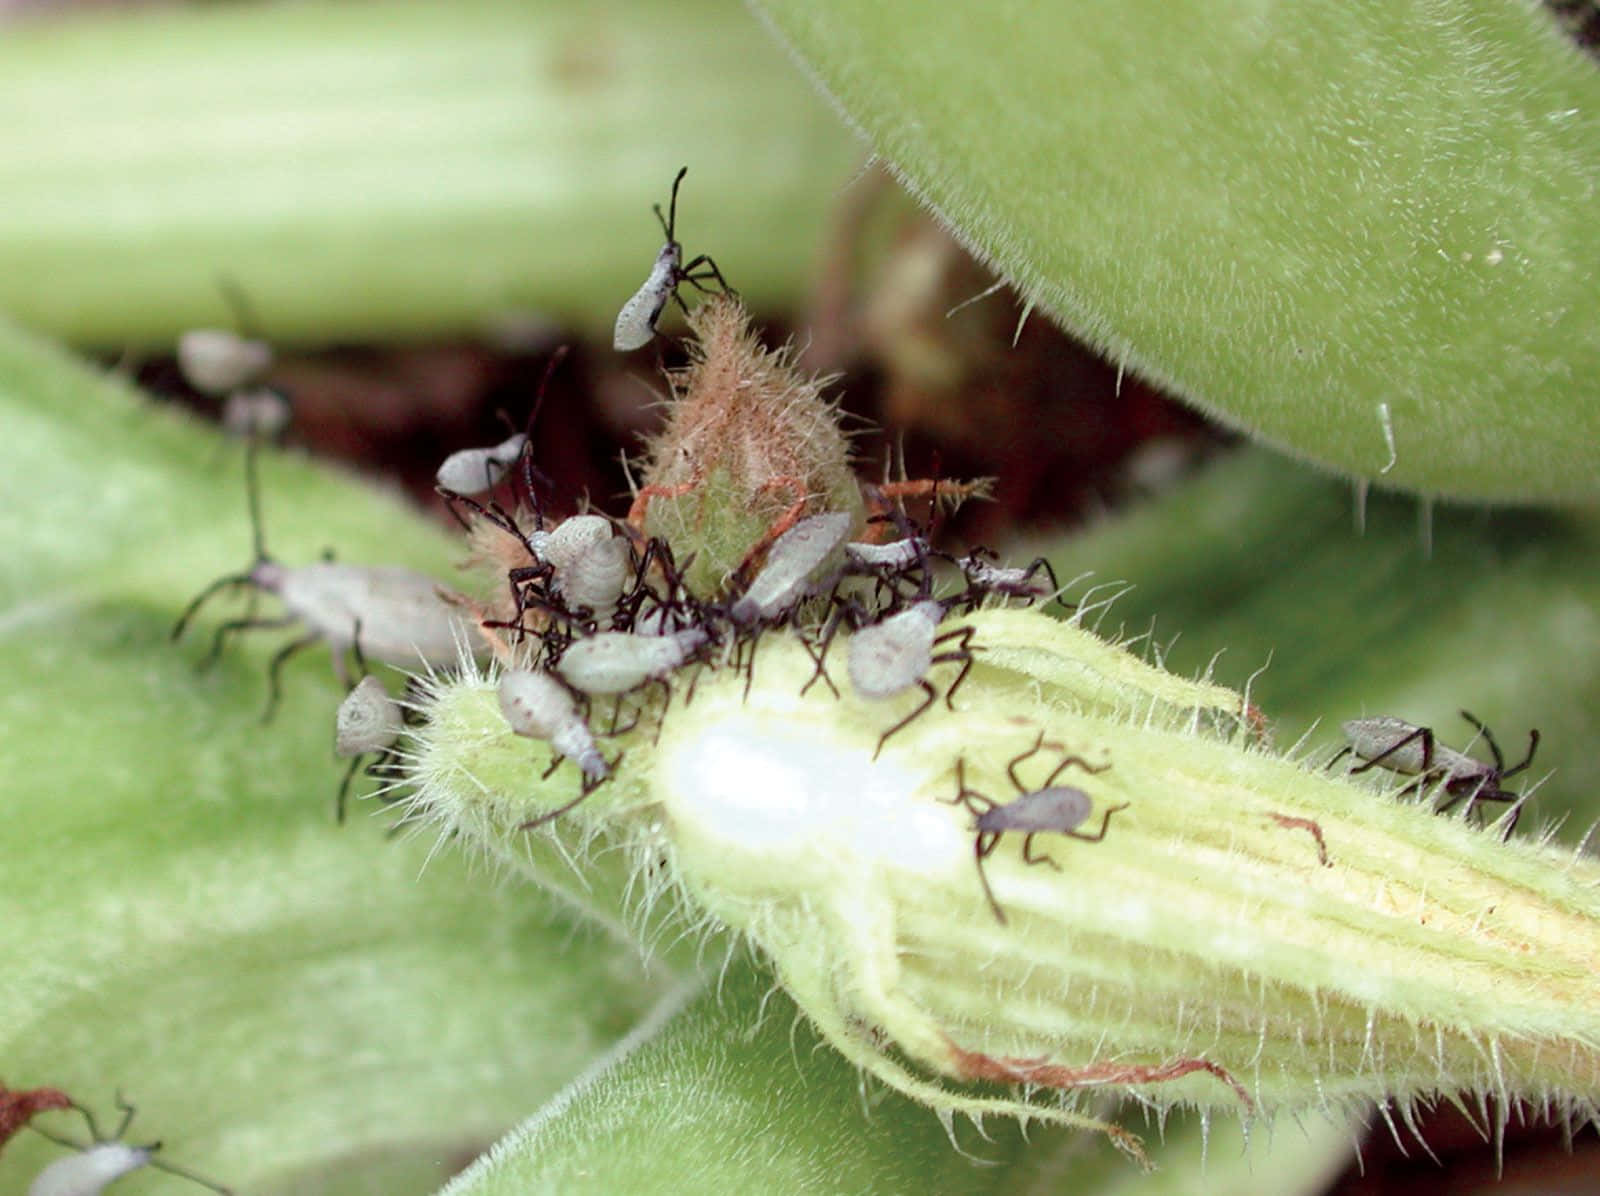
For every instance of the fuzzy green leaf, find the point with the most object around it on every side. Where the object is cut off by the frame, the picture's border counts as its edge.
(1329, 223)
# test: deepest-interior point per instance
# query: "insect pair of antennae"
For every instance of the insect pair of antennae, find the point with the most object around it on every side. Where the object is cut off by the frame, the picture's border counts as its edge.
(669, 222)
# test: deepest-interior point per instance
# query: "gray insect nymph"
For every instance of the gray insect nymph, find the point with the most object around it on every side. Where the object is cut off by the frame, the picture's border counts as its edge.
(103, 1160)
(887, 658)
(1057, 809)
(636, 322)
(791, 563)
(368, 722)
(215, 361)
(589, 563)
(393, 614)
(1384, 741)
(615, 662)
(537, 706)
(477, 470)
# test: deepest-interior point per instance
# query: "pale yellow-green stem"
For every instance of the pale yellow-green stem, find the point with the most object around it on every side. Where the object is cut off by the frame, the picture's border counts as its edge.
(1250, 933)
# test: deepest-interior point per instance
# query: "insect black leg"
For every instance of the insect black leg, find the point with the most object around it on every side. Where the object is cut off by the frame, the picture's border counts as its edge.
(275, 669)
(932, 696)
(344, 789)
(1488, 737)
(1011, 767)
(1029, 858)
(1065, 762)
(237, 625)
(964, 653)
(125, 1107)
(1424, 734)
(1105, 822)
(199, 600)
(982, 845)
(820, 656)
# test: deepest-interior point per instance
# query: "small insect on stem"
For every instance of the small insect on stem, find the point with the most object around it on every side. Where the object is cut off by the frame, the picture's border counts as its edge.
(395, 615)
(985, 576)
(1059, 809)
(537, 706)
(1384, 741)
(616, 662)
(636, 322)
(792, 562)
(889, 657)
(102, 1160)
(479, 470)
(369, 722)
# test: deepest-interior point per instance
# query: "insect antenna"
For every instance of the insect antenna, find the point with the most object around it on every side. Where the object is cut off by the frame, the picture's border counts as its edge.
(670, 221)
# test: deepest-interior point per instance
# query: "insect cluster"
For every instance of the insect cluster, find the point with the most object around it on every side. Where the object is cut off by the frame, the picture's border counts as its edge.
(674, 678)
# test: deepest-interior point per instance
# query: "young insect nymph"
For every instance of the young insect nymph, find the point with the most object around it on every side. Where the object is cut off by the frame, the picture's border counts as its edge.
(1058, 809)
(102, 1160)
(368, 722)
(636, 322)
(1384, 741)
(395, 614)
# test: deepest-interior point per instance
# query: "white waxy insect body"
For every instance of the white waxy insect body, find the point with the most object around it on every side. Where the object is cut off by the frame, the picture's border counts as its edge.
(614, 662)
(474, 471)
(89, 1171)
(369, 720)
(393, 614)
(791, 562)
(215, 362)
(258, 411)
(1058, 808)
(1405, 747)
(636, 322)
(589, 562)
(537, 706)
(1013, 581)
(890, 657)
(894, 557)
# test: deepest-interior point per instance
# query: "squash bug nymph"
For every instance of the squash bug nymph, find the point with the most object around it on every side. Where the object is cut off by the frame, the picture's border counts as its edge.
(636, 322)
(1057, 809)
(393, 614)
(889, 657)
(368, 722)
(103, 1160)
(1384, 741)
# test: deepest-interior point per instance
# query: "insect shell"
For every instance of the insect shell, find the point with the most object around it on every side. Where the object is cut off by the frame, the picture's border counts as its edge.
(475, 471)
(791, 562)
(537, 706)
(614, 662)
(215, 362)
(636, 322)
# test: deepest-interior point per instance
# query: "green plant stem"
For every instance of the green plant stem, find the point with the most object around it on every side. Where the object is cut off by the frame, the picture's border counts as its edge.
(392, 168)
